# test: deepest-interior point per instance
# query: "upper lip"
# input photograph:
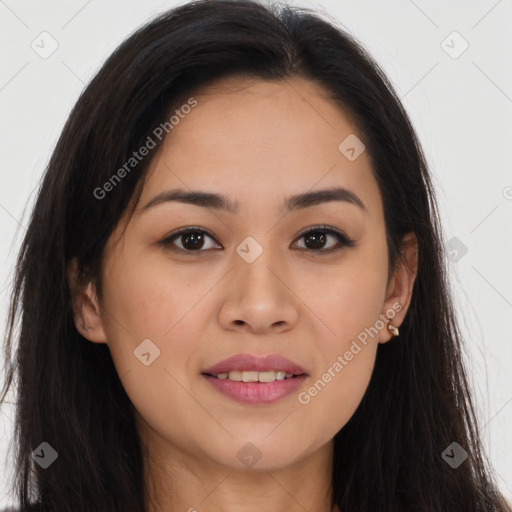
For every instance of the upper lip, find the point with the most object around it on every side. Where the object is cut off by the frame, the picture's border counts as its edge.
(249, 362)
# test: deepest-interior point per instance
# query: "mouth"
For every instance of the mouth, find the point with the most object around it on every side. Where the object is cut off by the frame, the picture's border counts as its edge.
(255, 379)
(256, 388)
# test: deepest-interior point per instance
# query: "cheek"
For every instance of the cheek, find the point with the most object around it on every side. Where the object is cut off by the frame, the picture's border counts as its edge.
(151, 296)
(334, 393)
(350, 300)
(148, 308)
(349, 307)
(150, 325)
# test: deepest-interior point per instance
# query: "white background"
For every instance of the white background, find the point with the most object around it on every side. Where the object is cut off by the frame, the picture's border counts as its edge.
(461, 108)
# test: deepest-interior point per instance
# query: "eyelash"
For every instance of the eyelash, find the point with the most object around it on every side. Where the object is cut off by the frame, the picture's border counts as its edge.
(344, 241)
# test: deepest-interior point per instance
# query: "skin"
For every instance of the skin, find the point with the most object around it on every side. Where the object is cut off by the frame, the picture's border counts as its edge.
(258, 143)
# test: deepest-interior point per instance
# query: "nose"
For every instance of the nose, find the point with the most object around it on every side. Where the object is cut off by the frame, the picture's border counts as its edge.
(258, 298)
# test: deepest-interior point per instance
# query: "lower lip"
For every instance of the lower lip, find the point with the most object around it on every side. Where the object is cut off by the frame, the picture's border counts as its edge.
(256, 393)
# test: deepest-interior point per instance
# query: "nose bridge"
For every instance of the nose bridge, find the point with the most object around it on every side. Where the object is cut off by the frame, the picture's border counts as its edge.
(258, 297)
(259, 275)
(255, 257)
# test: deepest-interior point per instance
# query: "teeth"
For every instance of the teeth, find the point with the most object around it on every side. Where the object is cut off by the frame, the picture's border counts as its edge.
(249, 376)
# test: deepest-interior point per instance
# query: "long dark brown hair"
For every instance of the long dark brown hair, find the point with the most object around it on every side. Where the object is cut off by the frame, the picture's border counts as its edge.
(388, 457)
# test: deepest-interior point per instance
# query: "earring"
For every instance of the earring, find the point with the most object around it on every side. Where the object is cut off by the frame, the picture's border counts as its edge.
(393, 329)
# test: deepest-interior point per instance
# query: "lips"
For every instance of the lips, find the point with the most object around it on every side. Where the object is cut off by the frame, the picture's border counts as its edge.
(257, 393)
(249, 362)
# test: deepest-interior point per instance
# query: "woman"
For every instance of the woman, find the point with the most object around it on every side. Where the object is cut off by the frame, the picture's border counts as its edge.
(232, 289)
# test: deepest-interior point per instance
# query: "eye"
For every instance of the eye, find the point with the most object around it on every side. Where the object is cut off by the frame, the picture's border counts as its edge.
(318, 235)
(192, 239)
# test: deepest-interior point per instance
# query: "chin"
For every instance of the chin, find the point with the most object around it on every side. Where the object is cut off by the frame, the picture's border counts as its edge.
(256, 453)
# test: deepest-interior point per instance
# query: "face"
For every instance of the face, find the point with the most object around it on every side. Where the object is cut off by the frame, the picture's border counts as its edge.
(308, 283)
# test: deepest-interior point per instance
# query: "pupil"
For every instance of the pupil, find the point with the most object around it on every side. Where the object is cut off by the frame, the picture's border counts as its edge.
(197, 237)
(318, 240)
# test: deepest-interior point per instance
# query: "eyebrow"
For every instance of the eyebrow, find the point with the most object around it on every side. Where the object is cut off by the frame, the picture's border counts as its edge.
(220, 202)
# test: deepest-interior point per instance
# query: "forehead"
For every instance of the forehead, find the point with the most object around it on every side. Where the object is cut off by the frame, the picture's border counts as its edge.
(255, 140)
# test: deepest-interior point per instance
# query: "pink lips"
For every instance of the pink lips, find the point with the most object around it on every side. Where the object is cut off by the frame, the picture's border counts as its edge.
(256, 393)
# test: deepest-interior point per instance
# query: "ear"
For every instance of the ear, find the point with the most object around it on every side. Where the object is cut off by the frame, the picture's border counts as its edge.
(399, 291)
(86, 309)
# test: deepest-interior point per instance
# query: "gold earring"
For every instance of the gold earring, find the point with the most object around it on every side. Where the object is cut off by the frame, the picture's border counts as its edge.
(393, 329)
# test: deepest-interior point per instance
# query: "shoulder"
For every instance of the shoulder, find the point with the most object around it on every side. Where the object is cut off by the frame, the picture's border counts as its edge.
(32, 507)
(17, 509)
